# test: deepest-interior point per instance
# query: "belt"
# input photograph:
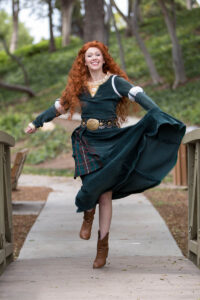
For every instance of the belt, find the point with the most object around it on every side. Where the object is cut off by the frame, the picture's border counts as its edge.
(94, 124)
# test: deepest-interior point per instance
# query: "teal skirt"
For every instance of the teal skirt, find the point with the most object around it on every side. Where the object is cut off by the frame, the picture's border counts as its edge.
(132, 159)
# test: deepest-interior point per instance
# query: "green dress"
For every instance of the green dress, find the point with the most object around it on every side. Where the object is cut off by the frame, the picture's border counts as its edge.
(125, 160)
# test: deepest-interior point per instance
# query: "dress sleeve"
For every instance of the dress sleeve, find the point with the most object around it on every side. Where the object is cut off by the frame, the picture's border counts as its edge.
(48, 115)
(135, 93)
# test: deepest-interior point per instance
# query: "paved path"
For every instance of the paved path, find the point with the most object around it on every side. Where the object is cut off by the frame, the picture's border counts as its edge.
(144, 261)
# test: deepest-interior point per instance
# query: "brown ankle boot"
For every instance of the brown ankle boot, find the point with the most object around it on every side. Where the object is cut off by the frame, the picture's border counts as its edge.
(102, 251)
(86, 227)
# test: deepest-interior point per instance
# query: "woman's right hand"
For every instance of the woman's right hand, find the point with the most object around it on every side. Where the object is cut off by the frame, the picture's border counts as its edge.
(30, 129)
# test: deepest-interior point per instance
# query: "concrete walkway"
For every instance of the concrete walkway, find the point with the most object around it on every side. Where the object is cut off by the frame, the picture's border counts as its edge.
(144, 261)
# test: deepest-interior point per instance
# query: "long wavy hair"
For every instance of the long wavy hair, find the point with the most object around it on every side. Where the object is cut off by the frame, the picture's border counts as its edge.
(78, 78)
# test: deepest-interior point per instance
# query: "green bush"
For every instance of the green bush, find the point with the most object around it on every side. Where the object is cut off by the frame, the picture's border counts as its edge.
(44, 69)
(3, 57)
(14, 123)
(182, 103)
(45, 145)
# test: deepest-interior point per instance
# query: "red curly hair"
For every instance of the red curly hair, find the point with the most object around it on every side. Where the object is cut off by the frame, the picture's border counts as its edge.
(79, 75)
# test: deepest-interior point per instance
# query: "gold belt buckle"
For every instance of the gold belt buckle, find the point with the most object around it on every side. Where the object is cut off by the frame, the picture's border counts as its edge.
(92, 124)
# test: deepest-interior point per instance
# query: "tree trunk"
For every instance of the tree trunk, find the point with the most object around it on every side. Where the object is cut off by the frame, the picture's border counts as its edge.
(129, 31)
(15, 14)
(178, 63)
(19, 88)
(17, 59)
(133, 23)
(108, 16)
(94, 21)
(52, 46)
(8, 86)
(121, 50)
(66, 10)
(152, 69)
(127, 19)
(189, 4)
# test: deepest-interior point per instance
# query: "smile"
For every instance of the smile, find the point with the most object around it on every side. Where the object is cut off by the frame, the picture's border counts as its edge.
(94, 63)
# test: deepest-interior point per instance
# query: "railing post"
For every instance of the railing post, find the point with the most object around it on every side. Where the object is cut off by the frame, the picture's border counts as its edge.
(192, 140)
(6, 239)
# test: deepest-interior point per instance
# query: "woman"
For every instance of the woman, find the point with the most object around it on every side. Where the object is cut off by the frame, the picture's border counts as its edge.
(112, 162)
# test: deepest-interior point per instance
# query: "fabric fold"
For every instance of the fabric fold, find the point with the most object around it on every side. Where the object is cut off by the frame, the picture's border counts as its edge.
(137, 157)
(86, 159)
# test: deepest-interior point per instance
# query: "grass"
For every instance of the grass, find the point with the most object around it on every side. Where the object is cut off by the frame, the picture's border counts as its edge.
(48, 75)
(48, 172)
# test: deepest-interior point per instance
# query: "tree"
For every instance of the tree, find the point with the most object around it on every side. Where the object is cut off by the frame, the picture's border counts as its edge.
(37, 6)
(121, 50)
(135, 31)
(94, 21)
(107, 19)
(52, 46)
(15, 16)
(189, 4)
(77, 19)
(66, 11)
(170, 20)
(14, 87)
(24, 37)
(26, 80)
(127, 18)
(150, 63)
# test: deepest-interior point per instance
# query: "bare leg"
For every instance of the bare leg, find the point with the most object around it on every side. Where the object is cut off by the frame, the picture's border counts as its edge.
(105, 213)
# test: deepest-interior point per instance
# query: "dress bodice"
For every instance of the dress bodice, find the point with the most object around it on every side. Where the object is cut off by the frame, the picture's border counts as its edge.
(103, 104)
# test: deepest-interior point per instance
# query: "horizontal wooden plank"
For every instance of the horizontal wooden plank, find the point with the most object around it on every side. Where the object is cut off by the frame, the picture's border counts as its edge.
(191, 137)
(193, 246)
(7, 139)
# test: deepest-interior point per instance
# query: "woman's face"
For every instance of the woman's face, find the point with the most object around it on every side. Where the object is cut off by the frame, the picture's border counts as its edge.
(94, 59)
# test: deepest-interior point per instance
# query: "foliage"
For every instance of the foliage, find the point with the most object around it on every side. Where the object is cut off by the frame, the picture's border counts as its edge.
(47, 145)
(45, 69)
(182, 103)
(48, 71)
(13, 123)
(48, 74)
(149, 9)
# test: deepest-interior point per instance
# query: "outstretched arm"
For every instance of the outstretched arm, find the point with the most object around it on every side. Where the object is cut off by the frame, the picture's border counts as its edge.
(134, 93)
(46, 116)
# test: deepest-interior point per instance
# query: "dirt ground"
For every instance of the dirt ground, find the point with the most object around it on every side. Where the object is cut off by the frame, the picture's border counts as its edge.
(23, 223)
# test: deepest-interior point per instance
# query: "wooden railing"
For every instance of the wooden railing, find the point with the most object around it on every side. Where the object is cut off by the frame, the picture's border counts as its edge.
(192, 140)
(6, 239)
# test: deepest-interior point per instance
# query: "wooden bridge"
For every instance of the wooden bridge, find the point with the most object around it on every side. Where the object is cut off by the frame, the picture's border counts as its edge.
(155, 269)
(192, 140)
(6, 239)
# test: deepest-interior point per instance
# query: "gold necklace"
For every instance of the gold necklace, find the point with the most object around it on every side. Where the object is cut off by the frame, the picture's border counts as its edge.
(93, 85)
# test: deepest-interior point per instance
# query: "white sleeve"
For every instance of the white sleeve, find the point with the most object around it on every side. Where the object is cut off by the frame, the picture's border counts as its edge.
(59, 107)
(133, 92)
(122, 87)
